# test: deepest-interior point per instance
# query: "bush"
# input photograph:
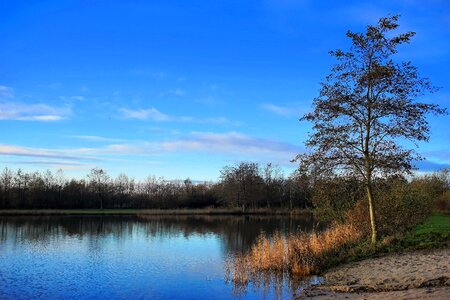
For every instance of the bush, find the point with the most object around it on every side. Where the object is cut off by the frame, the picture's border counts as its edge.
(399, 205)
(299, 254)
(334, 196)
(443, 202)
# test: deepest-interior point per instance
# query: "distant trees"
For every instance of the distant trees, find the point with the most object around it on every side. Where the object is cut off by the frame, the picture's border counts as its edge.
(99, 182)
(245, 185)
(6, 181)
(248, 185)
(366, 104)
(242, 185)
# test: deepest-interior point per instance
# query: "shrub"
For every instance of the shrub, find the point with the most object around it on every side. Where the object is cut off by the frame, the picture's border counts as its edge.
(299, 254)
(399, 205)
(443, 202)
(334, 196)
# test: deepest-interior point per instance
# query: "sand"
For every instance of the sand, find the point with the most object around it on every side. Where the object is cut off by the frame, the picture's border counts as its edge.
(414, 275)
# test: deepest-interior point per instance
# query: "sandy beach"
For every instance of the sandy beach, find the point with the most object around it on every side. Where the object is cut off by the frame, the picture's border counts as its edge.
(414, 275)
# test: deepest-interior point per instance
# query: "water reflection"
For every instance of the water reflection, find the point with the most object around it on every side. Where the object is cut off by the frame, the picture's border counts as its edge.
(237, 233)
(150, 257)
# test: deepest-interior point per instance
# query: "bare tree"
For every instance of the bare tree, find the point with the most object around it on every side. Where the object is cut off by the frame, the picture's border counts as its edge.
(6, 182)
(366, 106)
(242, 185)
(99, 181)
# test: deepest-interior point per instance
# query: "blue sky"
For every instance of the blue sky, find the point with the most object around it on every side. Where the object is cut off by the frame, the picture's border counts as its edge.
(181, 88)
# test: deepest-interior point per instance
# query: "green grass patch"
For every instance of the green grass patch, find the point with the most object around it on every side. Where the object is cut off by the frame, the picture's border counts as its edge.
(433, 233)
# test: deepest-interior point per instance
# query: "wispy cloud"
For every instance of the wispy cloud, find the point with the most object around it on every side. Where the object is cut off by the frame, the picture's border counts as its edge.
(71, 98)
(210, 101)
(39, 152)
(6, 92)
(145, 114)
(47, 163)
(285, 111)
(229, 143)
(13, 110)
(279, 110)
(232, 143)
(152, 114)
(100, 139)
(174, 92)
(430, 166)
(32, 112)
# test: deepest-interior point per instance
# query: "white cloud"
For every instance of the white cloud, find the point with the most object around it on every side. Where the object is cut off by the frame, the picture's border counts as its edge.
(174, 92)
(210, 101)
(94, 138)
(47, 162)
(227, 145)
(145, 114)
(69, 98)
(153, 114)
(232, 143)
(6, 92)
(279, 110)
(32, 112)
(36, 152)
(294, 110)
(44, 118)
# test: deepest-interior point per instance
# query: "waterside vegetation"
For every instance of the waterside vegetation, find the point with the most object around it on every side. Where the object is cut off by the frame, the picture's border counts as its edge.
(365, 114)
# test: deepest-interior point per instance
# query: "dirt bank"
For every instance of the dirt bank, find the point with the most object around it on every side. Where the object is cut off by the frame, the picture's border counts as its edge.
(414, 275)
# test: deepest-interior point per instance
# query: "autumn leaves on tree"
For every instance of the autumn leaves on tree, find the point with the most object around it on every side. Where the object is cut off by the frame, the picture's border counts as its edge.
(366, 109)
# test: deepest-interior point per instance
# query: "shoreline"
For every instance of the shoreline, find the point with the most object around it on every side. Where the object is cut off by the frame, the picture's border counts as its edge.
(409, 275)
(150, 212)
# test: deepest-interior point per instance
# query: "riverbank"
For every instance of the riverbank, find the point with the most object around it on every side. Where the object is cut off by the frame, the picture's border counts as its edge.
(414, 266)
(137, 212)
(412, 275)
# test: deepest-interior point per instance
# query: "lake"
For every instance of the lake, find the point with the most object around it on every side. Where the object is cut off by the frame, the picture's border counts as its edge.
(130, 257)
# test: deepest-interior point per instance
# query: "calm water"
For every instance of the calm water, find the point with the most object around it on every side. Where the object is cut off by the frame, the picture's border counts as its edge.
(117, 257)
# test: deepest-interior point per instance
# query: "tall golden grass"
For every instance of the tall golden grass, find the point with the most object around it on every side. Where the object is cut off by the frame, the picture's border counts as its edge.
(300, 254)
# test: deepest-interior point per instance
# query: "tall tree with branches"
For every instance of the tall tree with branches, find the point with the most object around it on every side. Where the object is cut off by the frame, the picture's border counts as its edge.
(367, 106)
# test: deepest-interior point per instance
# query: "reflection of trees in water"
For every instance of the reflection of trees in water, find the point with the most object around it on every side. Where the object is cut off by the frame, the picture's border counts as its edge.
(273, 284)
(237, 233)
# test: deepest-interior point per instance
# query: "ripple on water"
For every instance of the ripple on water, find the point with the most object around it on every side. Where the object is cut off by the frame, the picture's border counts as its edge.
(119, 258)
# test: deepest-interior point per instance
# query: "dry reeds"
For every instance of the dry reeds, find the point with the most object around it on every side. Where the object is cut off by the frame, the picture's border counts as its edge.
(299, 254)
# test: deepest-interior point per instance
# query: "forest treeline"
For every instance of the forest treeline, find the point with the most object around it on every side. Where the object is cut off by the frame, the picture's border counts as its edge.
(245, 185)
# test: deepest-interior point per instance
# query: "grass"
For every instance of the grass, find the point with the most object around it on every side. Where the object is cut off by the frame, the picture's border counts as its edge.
(434, 233)
(313, 253)
(200, 211)
(299, 254)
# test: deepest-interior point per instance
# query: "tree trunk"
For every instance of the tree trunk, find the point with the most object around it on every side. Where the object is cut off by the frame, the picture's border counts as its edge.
(372, 212)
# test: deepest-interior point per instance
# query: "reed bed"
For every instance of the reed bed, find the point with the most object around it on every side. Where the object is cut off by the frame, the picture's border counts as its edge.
(299, 254)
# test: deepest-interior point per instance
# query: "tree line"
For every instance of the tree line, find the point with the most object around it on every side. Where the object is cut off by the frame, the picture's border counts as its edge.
(245, 185)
